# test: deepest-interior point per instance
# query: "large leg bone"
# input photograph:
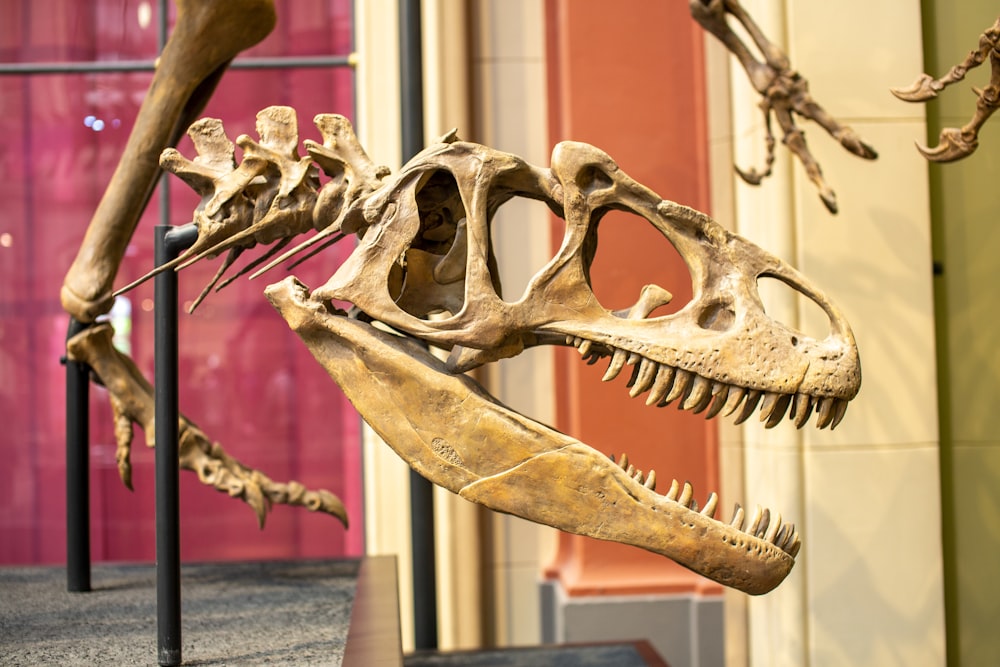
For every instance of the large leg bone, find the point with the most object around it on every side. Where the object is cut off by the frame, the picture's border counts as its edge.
(133, 403)
(957, 143)
(785, 93)
(207, 35)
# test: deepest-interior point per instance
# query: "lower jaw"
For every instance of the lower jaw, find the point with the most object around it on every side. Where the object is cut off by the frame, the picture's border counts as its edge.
(455, 434)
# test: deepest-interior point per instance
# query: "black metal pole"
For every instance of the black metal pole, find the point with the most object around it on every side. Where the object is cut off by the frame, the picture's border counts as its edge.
(77, 470)
(421, 491)
(169, 242)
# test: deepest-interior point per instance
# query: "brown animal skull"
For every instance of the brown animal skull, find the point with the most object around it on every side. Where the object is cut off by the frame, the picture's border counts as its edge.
(424, 274)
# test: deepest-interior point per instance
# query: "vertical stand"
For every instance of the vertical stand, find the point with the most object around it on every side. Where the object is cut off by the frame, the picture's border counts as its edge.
(170, 241)
(77, 470)
(421, 491)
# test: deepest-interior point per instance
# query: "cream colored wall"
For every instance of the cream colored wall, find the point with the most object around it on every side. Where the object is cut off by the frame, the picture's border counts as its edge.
(488, 565)
(868, 585)
(967, 247)
(509, 95)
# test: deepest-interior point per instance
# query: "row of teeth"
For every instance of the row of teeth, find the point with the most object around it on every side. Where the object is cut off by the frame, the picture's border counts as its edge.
(782, 535)
(667, 384)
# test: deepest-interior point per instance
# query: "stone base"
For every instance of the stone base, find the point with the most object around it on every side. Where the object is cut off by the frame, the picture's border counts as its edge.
(686, 629)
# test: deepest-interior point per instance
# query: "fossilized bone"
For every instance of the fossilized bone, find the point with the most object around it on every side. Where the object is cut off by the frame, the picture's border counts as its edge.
(785, 93)
(206, 37)
(957, 143)
(424, 274)
(132, 401)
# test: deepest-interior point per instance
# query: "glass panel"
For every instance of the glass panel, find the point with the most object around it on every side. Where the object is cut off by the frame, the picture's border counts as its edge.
(247, 380)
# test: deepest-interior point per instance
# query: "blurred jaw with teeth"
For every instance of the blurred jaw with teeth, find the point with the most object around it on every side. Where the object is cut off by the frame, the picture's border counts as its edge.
(424, 272)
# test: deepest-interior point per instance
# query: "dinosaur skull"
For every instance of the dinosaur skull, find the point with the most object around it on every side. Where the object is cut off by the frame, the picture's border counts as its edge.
(424, 269)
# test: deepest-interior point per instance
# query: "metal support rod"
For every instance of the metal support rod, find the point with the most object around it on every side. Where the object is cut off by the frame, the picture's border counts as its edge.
(170, 241)
(77, 470)
(421, 490)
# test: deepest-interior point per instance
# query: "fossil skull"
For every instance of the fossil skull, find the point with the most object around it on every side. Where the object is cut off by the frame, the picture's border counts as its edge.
(424, 275)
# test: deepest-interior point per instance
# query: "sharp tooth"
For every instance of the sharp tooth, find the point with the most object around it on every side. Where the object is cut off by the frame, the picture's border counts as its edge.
(710, 505)
(826, 411)
(686, 495)
(647, 373)
(630, 471)
(778, 410)
(789, 533)
(698, 397)
(838, 413)
(664, 381)
(595, 356)
(651, 481)
(570, 339)
(733, 401)
(753, 397)
(772, 533)
(637, 476)
(633, 358)
(632, 378)
(738, 517)
(672, 493)
(793, 548)
(801, 409)
(755, 521)
(682, 382)
(720, 391)
(585, 348)
(577, 341)
(623, 461)
(779, 538)
(765, 520)
(616, 365)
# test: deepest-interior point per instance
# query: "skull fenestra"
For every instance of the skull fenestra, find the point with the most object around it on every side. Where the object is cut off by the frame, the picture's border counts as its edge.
(424, 275)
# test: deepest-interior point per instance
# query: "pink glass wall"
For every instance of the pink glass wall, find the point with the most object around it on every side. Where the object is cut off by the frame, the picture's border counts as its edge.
(246, 380)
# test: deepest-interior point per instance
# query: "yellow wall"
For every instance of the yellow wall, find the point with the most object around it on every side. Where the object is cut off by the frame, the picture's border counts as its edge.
(868, 587)
(967, 248)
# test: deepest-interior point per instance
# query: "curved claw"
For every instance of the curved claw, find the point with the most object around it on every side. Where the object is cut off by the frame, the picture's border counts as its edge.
(852, 142)
(923, 89)
(753, 177)
(952, 145)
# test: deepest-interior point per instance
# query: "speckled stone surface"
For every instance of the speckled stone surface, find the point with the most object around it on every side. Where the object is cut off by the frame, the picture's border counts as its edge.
(269, 613)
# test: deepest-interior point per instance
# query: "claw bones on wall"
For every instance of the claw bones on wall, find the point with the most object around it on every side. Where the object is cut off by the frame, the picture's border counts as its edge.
(424, 275)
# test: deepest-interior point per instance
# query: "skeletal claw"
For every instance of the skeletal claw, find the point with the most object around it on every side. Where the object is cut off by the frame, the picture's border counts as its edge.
(921, 90)
(952, 146)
